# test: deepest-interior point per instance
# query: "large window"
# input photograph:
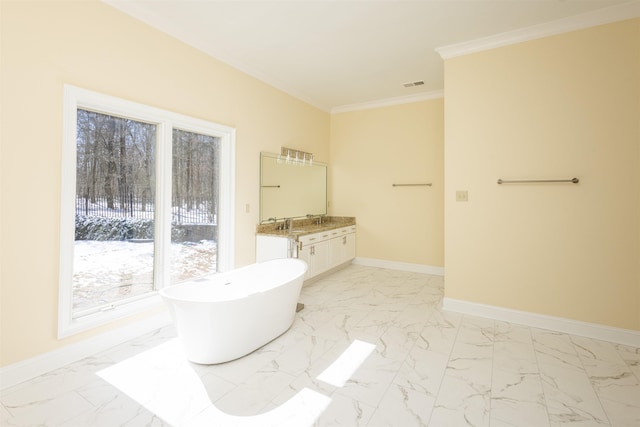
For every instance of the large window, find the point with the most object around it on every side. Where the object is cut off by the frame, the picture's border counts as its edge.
(146, 202)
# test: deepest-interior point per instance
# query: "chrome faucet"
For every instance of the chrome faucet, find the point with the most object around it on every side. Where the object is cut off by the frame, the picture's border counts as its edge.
(317, 217)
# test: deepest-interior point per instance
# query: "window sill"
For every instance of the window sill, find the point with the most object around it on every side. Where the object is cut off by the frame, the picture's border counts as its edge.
(69, 327)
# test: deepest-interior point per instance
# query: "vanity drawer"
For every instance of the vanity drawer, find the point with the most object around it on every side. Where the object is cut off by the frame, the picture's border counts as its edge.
(310, 239)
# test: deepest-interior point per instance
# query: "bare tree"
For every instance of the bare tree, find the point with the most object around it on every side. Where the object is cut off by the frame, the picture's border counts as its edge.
(116, 164)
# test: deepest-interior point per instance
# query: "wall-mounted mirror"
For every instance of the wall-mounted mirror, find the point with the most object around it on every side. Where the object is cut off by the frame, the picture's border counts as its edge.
(291, 190)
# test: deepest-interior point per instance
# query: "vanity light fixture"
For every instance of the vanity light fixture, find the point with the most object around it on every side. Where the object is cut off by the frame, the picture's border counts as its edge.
(295, 157)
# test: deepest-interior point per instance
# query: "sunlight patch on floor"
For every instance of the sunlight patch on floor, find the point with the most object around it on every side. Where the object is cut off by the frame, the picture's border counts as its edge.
(163, 381)
(339, 372)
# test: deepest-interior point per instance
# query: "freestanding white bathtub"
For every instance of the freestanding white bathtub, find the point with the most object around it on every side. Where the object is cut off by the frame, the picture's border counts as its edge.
(228, 315)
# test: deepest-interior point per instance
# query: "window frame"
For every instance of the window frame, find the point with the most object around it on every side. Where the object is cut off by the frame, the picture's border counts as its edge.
(75, 98)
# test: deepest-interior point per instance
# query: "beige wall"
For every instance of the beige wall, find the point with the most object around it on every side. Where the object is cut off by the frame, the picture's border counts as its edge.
(91, 45)
(557, 107)
(371, 150)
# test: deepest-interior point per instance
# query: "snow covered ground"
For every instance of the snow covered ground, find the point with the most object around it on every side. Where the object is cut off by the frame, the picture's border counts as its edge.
(107, 271)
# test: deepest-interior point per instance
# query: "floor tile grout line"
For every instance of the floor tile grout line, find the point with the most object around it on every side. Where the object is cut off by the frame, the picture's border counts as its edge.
(455, 339)
(628, 363)
(493, 361)
(595, 391)
(535, 355)
(396, 374)
(438, 309)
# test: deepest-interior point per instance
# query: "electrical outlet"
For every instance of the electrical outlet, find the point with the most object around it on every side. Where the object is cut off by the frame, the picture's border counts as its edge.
(462, 196)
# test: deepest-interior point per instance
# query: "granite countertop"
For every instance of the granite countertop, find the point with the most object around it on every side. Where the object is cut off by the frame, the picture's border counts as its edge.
(305, 226)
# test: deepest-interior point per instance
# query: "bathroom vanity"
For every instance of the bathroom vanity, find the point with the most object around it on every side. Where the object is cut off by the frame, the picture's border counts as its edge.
(324, 246)
(293, 220)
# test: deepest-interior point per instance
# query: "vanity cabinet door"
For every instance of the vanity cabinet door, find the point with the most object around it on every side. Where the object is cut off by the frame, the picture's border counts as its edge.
(349, 247)
(335, 247)
(316, 255)
(321, 257)
(343, 247)
(337, 250)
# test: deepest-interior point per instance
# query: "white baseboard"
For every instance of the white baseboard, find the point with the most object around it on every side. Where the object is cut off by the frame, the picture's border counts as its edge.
(404, 266)
(25, 370)
(574, 327)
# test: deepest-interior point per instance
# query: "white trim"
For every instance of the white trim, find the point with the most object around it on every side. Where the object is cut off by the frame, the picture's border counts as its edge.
(165, 121)
(227, 200)
(407, 99)
(25, 370)
(403, 266)
(568, 326)
(585, 20)
(162, 221)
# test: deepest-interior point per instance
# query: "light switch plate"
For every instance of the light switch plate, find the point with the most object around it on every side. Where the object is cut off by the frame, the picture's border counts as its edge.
(462, 196)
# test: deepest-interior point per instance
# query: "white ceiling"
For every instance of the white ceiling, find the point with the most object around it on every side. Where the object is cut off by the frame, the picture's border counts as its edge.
(340, 54)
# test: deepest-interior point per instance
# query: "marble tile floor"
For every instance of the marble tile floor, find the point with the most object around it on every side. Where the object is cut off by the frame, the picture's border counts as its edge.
(420, 366)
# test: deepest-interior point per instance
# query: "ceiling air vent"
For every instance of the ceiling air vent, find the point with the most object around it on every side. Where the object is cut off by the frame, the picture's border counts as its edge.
(412, 84)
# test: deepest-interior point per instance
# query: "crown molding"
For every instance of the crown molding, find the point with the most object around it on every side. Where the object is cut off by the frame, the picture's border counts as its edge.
(590, 19)
(389, 101)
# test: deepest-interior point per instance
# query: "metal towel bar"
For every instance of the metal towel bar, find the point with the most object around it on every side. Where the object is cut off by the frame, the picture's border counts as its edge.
(270, 186)
(526, 181)
(412, 185)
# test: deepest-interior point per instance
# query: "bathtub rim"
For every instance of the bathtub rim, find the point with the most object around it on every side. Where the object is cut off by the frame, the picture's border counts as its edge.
(164, 292)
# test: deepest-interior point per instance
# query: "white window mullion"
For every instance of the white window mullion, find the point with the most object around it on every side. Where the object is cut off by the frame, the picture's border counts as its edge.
(162, 265)
(226, 225)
